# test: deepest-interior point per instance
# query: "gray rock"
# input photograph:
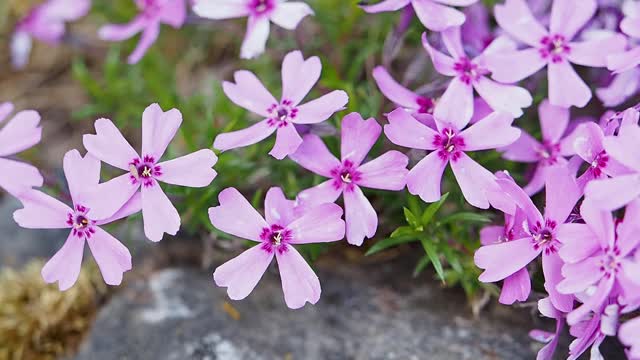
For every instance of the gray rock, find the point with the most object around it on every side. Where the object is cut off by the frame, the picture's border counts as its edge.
(365, 312)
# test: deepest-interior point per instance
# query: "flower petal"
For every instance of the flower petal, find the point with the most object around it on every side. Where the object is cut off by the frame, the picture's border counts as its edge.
(17, 177)
(255, 40)
(566, 88)
(473, 179)
(515, 17)
(491, 234)
(516, 287)
(553, 121)
(625, 147)
(107, 198)
(444, 64)
(522, 150)
(552, 269)
(523, 201)
(148, 37)
(386, 172)
(437, 17)
(245, 137)
(562, 193)
(326, 192)
(277, 208)
(494, 131)
(579, 276)
(314, 156)
(193, 170)
(358, 137)
(500, 97)
(322, 223)
(623, 86)
(594, 52)
(592, 303)
(158, 129)
(287, 142)
(109, 145)
(82, 174)
(64, 266)
(513, 66)
(504, 259)
(20, 133)
(385, 5)
(112, 257)
(299, 283)
(158, 213)
(241, 274)
(612, 194)
(249, 92)
(425, 178)
(289, 14)
(322, 108)
(569, 16)
(133, 206)
(393, 91)
(360, 216)
(236, 216)
(220, 10)
(41, 211)
(578, 242)
(624, 61)
(455, 107)
(600, 222)
(404, 130)
(120, 32)
(299, 75)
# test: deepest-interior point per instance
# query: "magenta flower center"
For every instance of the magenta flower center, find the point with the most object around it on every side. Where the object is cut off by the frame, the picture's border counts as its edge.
(610, 263)
(468, 71)
(144, 170)
(425, 104)
(544, 236)
(449, 144)
(150, 8)
(259, 7)
(281, 114)
(548, 153)
(275, 238)
(346, 175)
(554, 48)
(81, 225)
(599, 163)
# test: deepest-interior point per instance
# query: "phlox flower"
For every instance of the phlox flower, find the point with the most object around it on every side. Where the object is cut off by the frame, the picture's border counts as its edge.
(543, 235)
(554, 121)
(298, 77)
(615, 192)
(348, 175)
(436, 15)
(628, 335)
(286, 14)
(597, 258)
(476, 31)
(450, 142)
(551, 339)
(469, 74)
(20, 133)
(401, 96)
(275, 234)
(45, 22)
(623, 86)
(553, 48)
(152, 14)
(145, 171)
(592, 330)
(42, 211)
(630, 25)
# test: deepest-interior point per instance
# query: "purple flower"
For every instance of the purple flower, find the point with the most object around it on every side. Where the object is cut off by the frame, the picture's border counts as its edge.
(276, 235)
(554, 48)
(630, 25)
(283, 13)
(152, 14)
(46, 23)
(41, 211)
(613, 193)
(401, 96)
(346, 176)
(20, 133)
(435, 15)
(551, 151)
(469, 74)
(476, 31)
(298, 77)
(591, 331)
(597, 258)
(145, 171)
(628, 335)
(542, 235)
(450, 142)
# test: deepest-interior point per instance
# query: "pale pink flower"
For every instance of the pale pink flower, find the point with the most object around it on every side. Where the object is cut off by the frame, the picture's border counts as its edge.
(591, 331)
(298, 77)
(469, 75)
(20, 133)
(145, 171)
(436, 15)
(45, 22)
(348, 175)
(286, 14)
(275, 234)
(553, 48)
(152, 14)
(42, 211)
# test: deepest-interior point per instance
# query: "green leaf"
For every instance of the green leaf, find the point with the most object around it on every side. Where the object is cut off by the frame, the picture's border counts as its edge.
(390, 242)
(465, 217)
(411, 218)
(433, 256)
(403, 231)
(432, 209)
(421, 265)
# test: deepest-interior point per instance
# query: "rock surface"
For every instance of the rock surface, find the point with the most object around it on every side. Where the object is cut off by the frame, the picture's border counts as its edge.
(365, 312)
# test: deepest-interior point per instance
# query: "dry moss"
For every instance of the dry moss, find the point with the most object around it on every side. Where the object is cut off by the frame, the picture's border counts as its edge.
(37, 321)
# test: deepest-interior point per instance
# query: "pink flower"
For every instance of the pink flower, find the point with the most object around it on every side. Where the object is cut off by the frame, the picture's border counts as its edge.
(591, 331)
(550, 339)
(597, 258)
(449, 143)
(46, 23)
(276, 236)
(41, 211)
(152, 14)
(551, 151)
(611, 194)
(469, 74)
(298, 77)
(282, 12)
(628, 335)
(630, 25)
(543, 235)
(434, 14)
(145, 171)
(554, 49)
(387, 172)
(623, 86)
(20, 133)
(401, 96)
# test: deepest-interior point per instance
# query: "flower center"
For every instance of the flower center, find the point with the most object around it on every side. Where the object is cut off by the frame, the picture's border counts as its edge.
(449, 144)
(548, 153)
(259, 7)
(281, 114)
(554, 48)
(275, 238)
(610, 262)
(80, 224)
(150, 8)
(544, 236)
(599, 163)
(468, 71)
(425, 104)
(346, 175)
(144, 170)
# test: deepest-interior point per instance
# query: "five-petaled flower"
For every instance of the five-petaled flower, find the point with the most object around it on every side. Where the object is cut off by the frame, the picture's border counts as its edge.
(387, 172)
(276, 234)
(298, 77)
(260, 12)
(42, 211)
(145, 171)
(152, 14)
